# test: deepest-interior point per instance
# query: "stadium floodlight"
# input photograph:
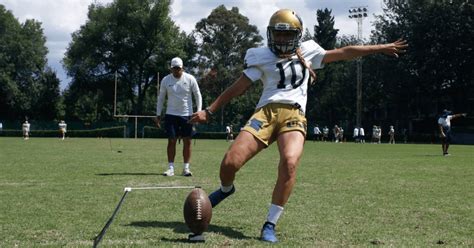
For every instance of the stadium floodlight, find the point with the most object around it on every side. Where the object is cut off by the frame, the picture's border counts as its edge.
(359, 13)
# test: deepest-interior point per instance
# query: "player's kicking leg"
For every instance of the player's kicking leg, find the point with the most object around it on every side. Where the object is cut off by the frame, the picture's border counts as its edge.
(242, 149)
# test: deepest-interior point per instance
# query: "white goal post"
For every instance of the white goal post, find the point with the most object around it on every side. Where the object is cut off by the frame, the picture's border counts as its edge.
(134, 116)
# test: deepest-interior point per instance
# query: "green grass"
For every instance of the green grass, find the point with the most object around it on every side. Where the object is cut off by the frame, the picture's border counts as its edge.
(60, 193)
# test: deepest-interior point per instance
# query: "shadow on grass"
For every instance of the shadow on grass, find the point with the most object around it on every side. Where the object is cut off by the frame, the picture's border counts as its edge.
(129, 174)
(180, 227)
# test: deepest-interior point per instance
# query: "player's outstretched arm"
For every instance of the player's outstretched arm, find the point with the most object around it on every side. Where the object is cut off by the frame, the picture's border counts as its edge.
(351, 52)
(236, 89)
(460, 115)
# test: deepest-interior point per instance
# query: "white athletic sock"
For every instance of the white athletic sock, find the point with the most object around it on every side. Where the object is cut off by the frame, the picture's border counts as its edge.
(186, 166)
(171, 166)
(274, 213)
(226, 189)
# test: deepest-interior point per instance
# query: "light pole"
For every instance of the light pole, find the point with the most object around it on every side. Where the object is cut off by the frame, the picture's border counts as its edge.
(359, 13)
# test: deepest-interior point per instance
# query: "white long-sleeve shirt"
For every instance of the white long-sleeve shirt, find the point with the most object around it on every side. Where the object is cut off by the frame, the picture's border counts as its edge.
(180, 92)
(26, 127)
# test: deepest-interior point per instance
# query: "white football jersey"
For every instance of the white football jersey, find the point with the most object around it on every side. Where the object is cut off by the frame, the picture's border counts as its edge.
(285, 80)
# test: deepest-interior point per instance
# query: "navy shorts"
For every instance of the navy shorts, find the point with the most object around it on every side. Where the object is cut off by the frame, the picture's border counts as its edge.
(178, 126)
(447, 132)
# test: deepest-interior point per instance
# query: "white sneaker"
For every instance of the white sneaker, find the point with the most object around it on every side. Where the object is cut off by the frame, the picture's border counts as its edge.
(187, 173)
(168, 173)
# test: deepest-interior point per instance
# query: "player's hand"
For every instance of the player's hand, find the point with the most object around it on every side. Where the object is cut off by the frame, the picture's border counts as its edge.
(157, 121)
(464, 114)
(199, 117)
(443, 135)
(395, 48)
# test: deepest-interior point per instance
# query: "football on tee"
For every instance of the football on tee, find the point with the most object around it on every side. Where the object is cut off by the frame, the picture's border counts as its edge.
(197, 211)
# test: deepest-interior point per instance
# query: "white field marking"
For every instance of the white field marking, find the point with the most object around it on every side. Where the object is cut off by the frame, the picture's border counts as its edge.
(158, 187)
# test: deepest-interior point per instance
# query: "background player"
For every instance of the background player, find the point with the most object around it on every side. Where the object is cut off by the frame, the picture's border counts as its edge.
(230, 135)
(62, 129)
(444, 124)
(26, 130)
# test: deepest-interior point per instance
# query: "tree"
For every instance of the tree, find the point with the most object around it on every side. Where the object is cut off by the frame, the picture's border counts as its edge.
(306, 36)
(326, 102)
(224, 37)
(136, 39)
(325, 33)
(48, 103)
(436, 72)
(25, 79)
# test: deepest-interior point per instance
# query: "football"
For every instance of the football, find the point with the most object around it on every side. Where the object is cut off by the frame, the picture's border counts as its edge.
(197, 211)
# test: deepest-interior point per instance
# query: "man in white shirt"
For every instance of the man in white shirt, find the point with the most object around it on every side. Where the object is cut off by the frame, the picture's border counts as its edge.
(26, 130)
(379, 134)
(62, 129)
(444, 123)
(336, 131)
(356, 134)
(374, 134)
(361, 135)
(325, 133)
(180, 87)
(230, 135)
(316, 132)
(341, 134)
(391, 134)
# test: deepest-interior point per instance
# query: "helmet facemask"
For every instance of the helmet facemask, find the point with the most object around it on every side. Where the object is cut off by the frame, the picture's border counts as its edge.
(288, 24)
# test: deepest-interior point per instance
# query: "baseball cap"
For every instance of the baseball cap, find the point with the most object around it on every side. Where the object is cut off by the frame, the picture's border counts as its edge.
(176, 62)
(446, 113)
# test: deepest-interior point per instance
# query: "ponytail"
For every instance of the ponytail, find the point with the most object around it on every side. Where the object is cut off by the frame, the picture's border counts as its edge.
(303, 61)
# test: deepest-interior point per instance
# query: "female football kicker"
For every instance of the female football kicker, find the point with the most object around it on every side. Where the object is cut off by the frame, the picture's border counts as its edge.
(285, 68)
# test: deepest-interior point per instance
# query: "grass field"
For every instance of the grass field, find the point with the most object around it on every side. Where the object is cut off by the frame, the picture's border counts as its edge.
(60, 193)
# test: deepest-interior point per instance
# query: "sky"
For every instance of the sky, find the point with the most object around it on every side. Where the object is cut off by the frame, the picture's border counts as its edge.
(60, 18)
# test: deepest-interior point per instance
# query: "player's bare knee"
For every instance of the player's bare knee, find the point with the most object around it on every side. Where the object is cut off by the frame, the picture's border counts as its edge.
(231, 162)
(289, 162)
(288, 168)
